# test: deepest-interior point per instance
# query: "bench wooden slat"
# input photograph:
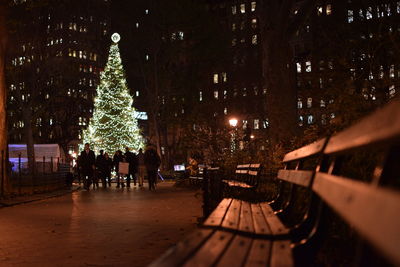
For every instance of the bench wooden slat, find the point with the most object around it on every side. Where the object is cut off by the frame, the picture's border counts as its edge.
(373, 211)
(236, 253)
(281, 254)
(208, 254)
(276, 226)
(259, 254)
(246, 219)
(254, 173)
(217, 216)
(298, 177)
(381, 126)
(306, 151)
(260, 224)
(231, 219)
(176, 255)
(255, 165)
(237, 183)
(243, 166)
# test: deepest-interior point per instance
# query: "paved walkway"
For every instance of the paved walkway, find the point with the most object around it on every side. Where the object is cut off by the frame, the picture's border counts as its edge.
(112, 227)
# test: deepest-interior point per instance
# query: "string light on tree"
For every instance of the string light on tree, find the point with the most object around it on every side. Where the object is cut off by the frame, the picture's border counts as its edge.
(113, 125)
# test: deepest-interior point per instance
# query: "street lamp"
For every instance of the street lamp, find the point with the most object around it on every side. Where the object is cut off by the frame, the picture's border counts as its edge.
(233, 122)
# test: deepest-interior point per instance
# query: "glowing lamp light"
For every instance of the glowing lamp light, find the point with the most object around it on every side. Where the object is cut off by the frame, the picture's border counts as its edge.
(252, 136)
(233, 122)
(115, 37)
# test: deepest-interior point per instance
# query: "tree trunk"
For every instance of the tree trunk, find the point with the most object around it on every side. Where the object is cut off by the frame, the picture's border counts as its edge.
(279, 73)
(3, 101)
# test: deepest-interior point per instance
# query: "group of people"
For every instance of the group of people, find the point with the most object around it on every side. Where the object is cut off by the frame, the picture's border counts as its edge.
(93, 169)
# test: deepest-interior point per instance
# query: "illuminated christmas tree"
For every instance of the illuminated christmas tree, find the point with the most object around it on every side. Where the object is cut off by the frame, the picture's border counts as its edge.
(113, 125)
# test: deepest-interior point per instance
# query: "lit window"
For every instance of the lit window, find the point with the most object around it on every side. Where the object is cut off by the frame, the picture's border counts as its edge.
(137, 93)
(234, 41)
(392, 91)
(224, 77)
(137, 25)
(350, 16)
(147, 57)
(265, 123)
(254, 23)
(253, 6)
(321, 83)
(146, 11)
(319, 10)
(308, 66)
(215, 78)
(225, 111)
(391, 71)
(233, 10)
(242, 8)
(299, 103)
(254, 39)
(216, 94)
(323, 119)
(361, 14)
(298, 67)
(301, 119)
(256, 124)
(329, 9)
(244, 124)
(398, 7)
(233, 26)
(225, 94)
(322, 103)
(245, 91)
(369, 13)
(309, 102)
(310, 119)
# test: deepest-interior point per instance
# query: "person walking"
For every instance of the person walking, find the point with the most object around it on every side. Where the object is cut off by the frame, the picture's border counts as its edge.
(141, 167)
(152, 162)
(131, 158)
(101, 169)
(118, 157)
(87, 165)
(108, 166)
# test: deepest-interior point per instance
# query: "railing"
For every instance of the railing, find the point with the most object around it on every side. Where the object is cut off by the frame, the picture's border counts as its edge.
(47, 174)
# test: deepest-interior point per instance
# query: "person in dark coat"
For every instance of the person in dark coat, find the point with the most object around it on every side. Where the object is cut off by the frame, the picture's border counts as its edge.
(132, 159)
(107, 169)
(101, 167)
(152, 162)
(118, 157)
(87, 162)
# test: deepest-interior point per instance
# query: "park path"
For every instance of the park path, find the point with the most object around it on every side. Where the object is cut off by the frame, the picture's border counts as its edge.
(104, 227)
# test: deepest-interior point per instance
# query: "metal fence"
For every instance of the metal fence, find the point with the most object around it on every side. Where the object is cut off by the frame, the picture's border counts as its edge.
(47, 174)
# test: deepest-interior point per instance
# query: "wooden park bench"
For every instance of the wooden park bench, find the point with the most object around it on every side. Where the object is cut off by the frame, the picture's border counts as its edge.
(239, 233)
(246, 176)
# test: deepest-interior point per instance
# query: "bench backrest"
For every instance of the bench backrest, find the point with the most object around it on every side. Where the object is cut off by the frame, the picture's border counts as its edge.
(371, 207)
(248, 173)
(294, 163)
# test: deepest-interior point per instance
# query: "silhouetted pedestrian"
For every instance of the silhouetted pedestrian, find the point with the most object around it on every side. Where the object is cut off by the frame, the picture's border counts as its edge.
(87, 165)
(152, 162)
(101, 169)
(118, 157)
(131, 158)
(108, 168)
